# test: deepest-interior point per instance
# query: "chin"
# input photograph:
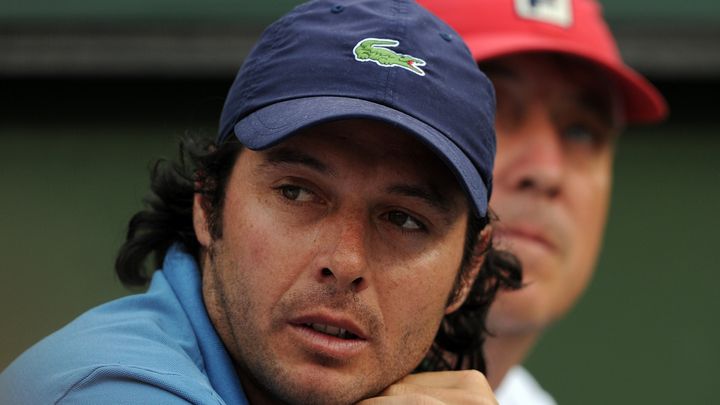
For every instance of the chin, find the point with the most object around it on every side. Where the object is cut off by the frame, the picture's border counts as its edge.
(322, 387)
(322, 395)
(522, 312)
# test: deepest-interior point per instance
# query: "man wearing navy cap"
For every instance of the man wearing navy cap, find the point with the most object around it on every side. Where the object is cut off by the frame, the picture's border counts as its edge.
(564, 95)
(312, 252)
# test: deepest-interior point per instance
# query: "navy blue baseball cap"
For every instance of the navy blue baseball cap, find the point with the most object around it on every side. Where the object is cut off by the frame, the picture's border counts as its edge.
(384, 60)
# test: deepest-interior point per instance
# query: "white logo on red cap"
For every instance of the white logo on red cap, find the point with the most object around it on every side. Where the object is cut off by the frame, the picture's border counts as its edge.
(558, 12)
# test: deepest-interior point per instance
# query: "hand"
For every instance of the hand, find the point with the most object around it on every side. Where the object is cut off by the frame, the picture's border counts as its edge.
(436, 388)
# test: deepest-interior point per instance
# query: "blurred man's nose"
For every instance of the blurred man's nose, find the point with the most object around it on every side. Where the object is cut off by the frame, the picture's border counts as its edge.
(537, 161)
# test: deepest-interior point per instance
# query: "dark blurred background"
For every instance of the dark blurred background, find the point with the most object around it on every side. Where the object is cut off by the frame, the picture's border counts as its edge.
(91, 91)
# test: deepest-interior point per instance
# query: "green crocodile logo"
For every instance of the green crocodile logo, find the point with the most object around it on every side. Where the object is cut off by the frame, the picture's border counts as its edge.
(375, 50)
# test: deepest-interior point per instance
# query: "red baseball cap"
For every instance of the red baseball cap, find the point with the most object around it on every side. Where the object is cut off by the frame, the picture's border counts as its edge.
(495, 28)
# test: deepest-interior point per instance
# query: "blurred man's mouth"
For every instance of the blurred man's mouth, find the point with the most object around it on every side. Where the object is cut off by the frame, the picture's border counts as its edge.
(510, 236)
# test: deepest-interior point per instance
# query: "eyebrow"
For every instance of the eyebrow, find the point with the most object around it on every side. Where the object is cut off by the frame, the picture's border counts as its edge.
(598, 105)
(289, 156)
(497, 69)
(591, 101)
(425, 193)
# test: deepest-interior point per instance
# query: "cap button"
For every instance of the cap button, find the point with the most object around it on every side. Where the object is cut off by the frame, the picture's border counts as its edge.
(446, 36)
(338, 8)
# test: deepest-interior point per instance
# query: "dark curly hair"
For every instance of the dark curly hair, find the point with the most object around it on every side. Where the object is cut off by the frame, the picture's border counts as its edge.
(203, 167)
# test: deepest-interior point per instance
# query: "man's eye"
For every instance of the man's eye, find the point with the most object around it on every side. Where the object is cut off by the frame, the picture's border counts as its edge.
(295, 193)
(580, 134)
(405, 221)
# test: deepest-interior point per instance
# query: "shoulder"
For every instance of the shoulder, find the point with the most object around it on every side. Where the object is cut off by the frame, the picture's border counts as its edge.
(520, 388)
(138, 349)
(129, 384)
(108, 383)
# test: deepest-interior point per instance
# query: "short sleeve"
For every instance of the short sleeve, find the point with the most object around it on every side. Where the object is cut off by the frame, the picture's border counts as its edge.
(134, 385)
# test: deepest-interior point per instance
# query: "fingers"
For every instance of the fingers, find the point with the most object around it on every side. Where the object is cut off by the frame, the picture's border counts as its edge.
(435, 388)
(466, 379)
(414, 399)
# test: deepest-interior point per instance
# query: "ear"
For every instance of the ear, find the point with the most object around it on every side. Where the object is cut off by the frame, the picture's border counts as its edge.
(200, 221)
(478, 258)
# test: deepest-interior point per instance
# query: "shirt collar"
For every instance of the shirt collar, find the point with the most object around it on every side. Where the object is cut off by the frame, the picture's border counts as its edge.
(183, 275)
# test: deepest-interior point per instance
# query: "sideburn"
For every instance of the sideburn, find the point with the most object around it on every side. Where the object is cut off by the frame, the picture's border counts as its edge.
(475, 225)
(211, 180)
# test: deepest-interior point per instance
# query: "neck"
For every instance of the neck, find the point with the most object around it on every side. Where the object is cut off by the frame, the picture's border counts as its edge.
(502, 352)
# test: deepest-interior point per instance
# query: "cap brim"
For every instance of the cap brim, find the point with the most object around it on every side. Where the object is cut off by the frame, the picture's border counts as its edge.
(643, 102)
(274, 123)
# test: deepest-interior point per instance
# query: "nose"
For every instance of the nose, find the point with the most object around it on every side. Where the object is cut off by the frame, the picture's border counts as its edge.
(531, 156)
(344, 261)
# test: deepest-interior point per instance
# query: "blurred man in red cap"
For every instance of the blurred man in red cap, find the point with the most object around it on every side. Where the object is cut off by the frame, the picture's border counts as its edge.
(564, 95)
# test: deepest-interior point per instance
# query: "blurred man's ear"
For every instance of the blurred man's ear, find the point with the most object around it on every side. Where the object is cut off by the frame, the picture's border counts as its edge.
(476, 262)
(200, 220)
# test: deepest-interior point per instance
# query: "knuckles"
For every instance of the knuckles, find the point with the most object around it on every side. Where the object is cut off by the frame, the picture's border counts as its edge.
(465, 387)
(471, 378)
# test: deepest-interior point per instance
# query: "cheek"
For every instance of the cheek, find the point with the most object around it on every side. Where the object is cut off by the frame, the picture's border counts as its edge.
(591, 195)
(413, 299)
(590, 206)
(253, 231)
(256, 253)
(411, 317)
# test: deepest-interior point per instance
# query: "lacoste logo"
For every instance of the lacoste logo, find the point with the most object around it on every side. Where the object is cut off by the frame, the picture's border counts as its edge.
(375, 50)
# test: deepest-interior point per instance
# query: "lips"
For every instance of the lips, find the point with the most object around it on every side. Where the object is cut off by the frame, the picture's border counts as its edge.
(332, 330)
(337, 326)
(329, 336)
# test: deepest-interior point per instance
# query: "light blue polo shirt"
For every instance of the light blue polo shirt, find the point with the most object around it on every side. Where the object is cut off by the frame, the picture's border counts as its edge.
(153, 348)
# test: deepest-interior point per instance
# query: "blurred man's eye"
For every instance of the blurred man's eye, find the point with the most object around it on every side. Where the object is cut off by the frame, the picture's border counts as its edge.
(587, 135)
(581, 134)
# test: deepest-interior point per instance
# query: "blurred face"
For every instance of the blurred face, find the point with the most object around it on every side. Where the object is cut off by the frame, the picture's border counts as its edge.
(340, 248)
(556, 125)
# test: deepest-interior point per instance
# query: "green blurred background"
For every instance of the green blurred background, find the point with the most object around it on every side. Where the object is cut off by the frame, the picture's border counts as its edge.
(92, 91)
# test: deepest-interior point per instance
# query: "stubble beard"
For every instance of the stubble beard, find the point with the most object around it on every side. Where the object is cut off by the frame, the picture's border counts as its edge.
(261, 371)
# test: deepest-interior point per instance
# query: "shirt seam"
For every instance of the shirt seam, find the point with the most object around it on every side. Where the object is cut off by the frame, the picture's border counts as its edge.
(109, 366)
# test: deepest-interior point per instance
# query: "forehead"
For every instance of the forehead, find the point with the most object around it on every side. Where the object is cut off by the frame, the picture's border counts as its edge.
(373, 147)
(553, 66)
(549, 74)
(368, 139)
